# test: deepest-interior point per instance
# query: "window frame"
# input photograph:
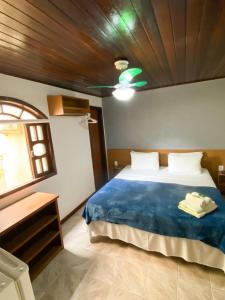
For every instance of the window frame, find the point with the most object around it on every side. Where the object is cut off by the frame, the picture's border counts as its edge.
(47, 141)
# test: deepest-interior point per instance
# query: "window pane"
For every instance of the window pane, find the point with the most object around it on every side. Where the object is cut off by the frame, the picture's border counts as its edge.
(40, 132)
(6, 117)
(45, 164)
(10, 128)
(27, 116)
(33, 133)
(39, 149)
(38, 166)
(12, 110)
(15, 167)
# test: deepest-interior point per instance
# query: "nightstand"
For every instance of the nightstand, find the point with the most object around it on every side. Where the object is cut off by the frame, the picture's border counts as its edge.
(116, 170)
(221, 181)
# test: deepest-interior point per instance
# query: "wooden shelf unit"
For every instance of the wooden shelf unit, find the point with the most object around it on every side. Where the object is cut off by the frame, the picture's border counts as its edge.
(61, 105)
(30, 229)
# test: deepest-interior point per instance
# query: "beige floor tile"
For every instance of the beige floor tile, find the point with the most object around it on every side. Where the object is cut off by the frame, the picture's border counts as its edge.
(47, 276)
(61, 277)
(131, 277)
(64, 287)
(92, 289)
(118, 294)
(217, 278)
(188, 291)
(132, 253)
(111, 270)
(104, 269)
(107, 247)
(193, 273)
(218, 294)
(166, 265)
(161, 284)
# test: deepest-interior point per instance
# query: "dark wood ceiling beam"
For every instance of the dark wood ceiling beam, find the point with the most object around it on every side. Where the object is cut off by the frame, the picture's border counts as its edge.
(45, 65)
(8, 70)
(28, 33)
(129, 17)
(127, 47)
(162, 13)
(59, 62)
(74, 43)
(211, 12)
(193, 22)
(126, 38)
(52, 54)
(179, 35)
(45, 26)
(44, 14)
(30, 65)
(215, 51)
(146, 16)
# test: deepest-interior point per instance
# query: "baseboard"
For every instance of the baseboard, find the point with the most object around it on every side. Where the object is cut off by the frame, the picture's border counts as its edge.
(75, 210)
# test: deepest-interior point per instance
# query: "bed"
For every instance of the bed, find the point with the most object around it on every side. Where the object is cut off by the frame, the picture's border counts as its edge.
(193, 246)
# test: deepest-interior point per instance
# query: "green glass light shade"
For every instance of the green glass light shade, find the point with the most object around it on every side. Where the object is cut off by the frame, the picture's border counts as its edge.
(139, 83)
(129, 74)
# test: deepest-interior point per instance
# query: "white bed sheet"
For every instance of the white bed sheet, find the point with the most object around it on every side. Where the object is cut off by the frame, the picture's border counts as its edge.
(163, 175)
(190, 250)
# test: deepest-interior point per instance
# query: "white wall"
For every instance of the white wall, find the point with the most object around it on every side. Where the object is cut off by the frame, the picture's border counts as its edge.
(75, 180)
(184, 116)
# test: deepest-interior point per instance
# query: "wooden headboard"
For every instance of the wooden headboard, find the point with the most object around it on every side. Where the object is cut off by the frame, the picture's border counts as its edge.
(211, 158)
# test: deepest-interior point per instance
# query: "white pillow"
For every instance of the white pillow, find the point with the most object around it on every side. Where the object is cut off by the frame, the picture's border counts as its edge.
(185, 163)
(144, 161)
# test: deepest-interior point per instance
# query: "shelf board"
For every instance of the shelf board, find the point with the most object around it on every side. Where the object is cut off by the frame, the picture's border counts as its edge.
(36, 247)
(36, 268)
(23, 237)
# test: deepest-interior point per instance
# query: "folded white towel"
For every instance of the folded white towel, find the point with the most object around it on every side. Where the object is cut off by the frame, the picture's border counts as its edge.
(207, 199)
(211, 207)
(197, 202)
(199, 210)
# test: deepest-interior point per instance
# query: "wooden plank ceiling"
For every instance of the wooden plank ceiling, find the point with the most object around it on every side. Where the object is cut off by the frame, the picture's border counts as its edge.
(73, 43)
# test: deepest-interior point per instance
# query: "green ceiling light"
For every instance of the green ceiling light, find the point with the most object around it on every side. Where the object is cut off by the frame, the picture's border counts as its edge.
(139, 83)
(129, 74)
(123, 90)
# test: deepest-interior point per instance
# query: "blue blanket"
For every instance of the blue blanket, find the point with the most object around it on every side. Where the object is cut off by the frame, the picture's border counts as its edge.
(152, 206)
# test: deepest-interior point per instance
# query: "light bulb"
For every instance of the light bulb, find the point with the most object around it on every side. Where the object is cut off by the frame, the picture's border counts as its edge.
(123, 94)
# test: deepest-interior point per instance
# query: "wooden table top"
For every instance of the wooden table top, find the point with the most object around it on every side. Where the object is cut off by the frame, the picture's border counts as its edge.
(19, 211)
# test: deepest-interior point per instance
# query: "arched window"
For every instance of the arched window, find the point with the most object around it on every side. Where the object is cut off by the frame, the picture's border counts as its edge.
(14, 109)
(26, 151)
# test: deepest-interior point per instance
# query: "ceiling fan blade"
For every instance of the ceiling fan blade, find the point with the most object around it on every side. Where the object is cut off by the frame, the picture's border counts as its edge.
(101, 86)
(138, 83)
(129, 74)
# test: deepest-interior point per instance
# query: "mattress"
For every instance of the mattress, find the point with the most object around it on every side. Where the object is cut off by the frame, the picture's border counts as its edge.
(169, 246)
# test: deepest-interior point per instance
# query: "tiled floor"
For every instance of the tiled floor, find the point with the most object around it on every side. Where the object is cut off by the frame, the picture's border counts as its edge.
(110, 270)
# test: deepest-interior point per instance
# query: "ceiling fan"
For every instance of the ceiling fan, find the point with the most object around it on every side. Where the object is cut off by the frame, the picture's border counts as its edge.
(124, 90)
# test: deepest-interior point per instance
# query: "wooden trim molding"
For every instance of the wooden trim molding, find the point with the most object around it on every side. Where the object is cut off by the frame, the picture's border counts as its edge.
(73, 212)
(212, 158)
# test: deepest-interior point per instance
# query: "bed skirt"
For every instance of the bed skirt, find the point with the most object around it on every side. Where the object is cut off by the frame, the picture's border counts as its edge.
(190, 250)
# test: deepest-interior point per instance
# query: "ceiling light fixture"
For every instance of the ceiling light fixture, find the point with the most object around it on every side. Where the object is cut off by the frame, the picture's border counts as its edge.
(123, 93)
(124, 88)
